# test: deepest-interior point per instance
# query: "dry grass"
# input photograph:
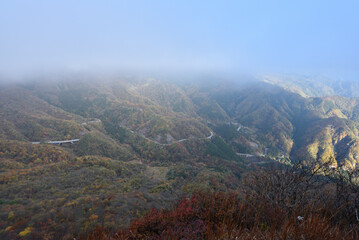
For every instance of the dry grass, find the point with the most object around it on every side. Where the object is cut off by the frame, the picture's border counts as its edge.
(281, 203)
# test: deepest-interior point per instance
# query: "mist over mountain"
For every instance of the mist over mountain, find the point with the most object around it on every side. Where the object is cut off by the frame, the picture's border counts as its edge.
(179, 120)
(315, 86)
(121, 145)
(251, 37)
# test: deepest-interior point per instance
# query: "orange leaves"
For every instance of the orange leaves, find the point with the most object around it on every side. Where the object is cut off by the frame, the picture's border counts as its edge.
(93, 217)
(218, 215)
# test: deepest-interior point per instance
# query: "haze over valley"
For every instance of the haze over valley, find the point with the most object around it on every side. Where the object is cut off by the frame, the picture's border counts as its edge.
(179, 120)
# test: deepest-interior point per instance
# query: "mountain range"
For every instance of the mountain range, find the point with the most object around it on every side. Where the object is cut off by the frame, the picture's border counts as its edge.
(144, 142)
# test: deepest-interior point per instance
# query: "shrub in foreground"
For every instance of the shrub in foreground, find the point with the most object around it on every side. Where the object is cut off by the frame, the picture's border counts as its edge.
(280, 203)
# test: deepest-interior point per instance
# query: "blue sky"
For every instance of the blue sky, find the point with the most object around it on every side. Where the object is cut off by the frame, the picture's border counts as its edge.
(303, 37)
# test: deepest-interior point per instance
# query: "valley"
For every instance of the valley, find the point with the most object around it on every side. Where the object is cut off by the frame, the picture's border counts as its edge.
(179, 120)
(86, 153)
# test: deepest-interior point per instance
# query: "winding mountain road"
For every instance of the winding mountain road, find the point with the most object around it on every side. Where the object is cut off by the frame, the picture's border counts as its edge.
(95, 120)
(176, 141)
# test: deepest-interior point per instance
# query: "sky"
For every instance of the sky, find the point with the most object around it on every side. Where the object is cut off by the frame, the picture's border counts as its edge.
(302, 37)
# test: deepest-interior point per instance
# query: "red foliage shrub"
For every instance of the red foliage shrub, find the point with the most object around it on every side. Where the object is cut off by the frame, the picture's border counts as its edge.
(183, 222)
(277, 204)
(218, 215)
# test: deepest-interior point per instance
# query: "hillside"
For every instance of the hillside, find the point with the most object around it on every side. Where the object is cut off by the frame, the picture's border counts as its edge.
(145, 143)
(288, 125)
(134, 153)
(315, 86)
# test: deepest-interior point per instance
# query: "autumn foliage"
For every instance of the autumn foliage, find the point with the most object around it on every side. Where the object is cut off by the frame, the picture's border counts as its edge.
(221, 215)
(274, 212)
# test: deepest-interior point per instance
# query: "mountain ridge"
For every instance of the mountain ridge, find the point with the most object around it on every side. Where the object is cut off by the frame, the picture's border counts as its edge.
(144, 143)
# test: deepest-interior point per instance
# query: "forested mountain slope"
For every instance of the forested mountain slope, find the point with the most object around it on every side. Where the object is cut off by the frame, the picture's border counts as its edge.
(289, 125)
(315, 86)
(144, 143)
(135, 152)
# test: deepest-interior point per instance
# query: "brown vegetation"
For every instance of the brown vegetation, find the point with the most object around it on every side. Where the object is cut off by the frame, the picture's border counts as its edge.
(282, 203)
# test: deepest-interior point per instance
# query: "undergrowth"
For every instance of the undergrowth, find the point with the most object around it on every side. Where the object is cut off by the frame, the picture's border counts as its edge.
(280, 203)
